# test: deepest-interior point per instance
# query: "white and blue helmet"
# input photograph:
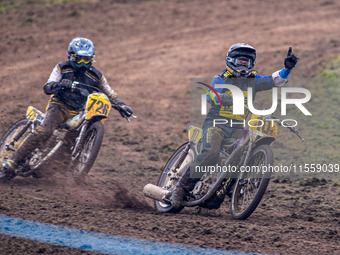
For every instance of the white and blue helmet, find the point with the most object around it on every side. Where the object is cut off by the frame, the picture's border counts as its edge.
(81, 53)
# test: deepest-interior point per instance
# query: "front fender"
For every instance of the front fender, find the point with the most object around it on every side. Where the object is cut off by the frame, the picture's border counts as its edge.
(265, 140)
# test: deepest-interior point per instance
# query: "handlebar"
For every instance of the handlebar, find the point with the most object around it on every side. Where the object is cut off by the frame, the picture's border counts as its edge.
(118, 108)
(295, 131)
(279, 122)
(292, 129)
(86, 93)
(75, 83)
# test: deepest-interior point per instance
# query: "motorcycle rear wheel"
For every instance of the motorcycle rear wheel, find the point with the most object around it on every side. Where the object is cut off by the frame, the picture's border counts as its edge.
(83, 162)
(8, 137)
(164, 207)
(248, 191)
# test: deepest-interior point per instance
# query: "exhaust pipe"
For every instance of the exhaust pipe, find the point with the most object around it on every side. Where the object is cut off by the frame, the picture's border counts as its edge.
(156, 192)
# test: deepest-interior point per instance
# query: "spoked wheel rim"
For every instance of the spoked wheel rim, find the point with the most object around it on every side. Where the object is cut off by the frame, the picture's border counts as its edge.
(248, 187)
(85, 153)
(251, 187)
(6, 154)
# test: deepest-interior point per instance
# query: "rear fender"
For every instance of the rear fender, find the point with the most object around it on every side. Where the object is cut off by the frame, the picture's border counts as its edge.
(34, 114)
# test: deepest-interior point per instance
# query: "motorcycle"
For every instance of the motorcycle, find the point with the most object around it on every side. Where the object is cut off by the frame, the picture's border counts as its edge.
(81, 137)
(244, 188)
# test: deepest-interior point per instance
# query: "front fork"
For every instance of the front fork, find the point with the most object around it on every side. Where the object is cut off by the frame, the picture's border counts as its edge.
(245, 157)
(80, 139)
(227, 184)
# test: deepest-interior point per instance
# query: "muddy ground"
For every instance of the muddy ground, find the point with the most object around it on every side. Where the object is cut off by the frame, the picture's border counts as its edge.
(148, 50)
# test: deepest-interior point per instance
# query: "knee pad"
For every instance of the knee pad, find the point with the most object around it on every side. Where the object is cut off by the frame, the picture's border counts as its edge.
(43, 132)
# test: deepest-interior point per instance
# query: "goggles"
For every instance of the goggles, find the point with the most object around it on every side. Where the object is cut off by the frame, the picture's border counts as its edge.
(243, 61)
(81, 59)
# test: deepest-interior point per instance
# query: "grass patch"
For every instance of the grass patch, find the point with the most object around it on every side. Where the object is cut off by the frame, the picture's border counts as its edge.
(321, 130)
(331, 69)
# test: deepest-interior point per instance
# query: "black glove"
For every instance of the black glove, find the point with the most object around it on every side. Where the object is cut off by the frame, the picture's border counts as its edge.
(290, 60)
(125, 110)
(65, 84)
(227, 100)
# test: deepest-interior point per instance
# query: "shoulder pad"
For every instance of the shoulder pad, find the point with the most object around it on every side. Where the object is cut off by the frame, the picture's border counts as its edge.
(226, 74)
(64, 66)
(252, 73)
(95, 73)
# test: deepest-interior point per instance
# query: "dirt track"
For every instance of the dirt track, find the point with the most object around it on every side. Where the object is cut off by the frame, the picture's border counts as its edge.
(148, 51)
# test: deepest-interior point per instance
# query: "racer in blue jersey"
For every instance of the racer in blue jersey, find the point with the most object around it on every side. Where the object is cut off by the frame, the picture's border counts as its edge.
(240, 61)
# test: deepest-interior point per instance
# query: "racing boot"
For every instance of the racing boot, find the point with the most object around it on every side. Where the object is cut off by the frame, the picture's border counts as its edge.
(178, 195)
(8, 169)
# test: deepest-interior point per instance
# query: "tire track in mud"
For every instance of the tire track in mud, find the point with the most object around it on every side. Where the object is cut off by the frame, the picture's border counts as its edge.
(281, 216)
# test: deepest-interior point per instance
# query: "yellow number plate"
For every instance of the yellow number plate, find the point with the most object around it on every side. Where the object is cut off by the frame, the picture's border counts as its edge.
(97, 105)
(263, 125)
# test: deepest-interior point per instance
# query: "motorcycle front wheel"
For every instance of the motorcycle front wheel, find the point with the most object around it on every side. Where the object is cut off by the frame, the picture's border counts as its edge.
(249, 189)
(82, 163)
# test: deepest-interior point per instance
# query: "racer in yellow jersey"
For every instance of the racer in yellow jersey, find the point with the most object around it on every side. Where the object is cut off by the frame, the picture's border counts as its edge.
(65, 103)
